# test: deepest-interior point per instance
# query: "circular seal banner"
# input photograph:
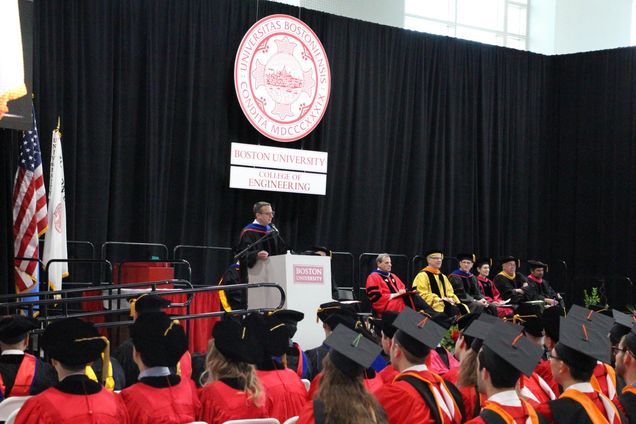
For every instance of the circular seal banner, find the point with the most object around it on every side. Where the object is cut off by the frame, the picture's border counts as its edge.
(282, 78)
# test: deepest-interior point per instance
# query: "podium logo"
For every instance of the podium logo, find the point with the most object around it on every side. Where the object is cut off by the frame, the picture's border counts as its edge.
(309, 274)
(282, 78)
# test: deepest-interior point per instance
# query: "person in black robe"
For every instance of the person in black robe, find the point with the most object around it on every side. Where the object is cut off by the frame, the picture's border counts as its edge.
(331, 314)
(263, 237)
(15, 362)
(538, 287)
(232, 300)
(510, 283)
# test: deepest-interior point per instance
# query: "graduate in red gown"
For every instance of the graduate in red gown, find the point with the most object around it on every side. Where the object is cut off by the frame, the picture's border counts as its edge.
(464, 376)
(625, 354)
(342, 397)
(506, 354)
(140, 305)
(232, 390)
(583, 341)
(550, 319)
(159, 396)
(387, 331)
(533, 388)
(417, 394)
(72, 344)
(286, 393)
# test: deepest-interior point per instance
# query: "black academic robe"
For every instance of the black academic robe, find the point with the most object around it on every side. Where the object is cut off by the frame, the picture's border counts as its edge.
(232, 300)
(273, 244)
(507, 286)
(627, 400)
(315, 357)
(45, 375)
(118, 372)
(124, 355)
(539, 291)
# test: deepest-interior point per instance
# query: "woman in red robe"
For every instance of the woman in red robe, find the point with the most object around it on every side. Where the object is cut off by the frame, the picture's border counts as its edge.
(342, 397)
(232, 391)
(488, 288)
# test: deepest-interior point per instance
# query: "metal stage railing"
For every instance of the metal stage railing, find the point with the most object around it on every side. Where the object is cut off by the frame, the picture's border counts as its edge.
(64, 298)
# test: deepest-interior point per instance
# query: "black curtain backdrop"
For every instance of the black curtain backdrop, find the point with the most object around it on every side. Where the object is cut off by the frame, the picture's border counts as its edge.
(432, 141)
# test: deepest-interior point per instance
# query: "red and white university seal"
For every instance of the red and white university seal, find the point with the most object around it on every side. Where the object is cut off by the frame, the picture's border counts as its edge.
(282, 78)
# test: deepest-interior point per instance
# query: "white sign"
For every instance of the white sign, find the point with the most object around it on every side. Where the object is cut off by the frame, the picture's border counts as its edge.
(277, 180)
(278, 157)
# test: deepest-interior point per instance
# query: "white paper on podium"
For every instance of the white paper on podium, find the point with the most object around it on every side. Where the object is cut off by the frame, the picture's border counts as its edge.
(306, 281)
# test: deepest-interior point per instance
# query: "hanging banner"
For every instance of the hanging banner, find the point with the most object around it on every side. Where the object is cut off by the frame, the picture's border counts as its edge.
(278, 158)
(282, 78)
(278, 180)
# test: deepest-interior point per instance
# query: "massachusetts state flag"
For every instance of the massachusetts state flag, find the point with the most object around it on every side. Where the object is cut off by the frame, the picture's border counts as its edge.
(30, 219)
(55, 242)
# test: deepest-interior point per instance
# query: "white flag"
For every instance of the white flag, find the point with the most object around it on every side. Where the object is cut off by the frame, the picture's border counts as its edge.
(55, 241)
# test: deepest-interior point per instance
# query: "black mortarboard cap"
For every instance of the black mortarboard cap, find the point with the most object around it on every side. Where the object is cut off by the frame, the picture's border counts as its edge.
(14, 328)
(147, 303)
(271, 333)
(73, 342)
(323, 249)
(602, 320)
(465, 320)
(430, 252)
(334, 313)
(537, 264)
(160, 340)
(623, 323)
(508, 342)
(529, 316)
(551, 321)
(388, 318)
(351, 352)
(290, 317)
(621, 318)
(470, 256)
(479, 328)
(585, 336)
(417, 332)
(236, 341)
(508, 258)
(482, 261)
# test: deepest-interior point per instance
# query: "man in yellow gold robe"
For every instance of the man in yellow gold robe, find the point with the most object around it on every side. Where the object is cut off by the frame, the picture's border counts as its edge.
(434, 287)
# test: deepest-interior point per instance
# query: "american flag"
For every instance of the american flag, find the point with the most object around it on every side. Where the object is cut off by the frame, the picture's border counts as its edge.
(30, 219)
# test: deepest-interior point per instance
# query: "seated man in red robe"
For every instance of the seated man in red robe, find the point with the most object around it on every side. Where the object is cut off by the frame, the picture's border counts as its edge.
(160, 395)
(385, 290)
(72, 344)
(506, 355)
(583, 341)
(417, 394)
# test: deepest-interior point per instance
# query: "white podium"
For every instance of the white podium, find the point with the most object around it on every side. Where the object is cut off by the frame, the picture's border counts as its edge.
(306, 281)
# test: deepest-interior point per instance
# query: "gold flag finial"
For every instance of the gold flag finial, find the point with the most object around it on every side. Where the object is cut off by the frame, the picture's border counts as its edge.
(58, 124)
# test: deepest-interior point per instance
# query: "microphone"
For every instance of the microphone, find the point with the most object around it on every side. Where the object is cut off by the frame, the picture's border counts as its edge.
(274, 229)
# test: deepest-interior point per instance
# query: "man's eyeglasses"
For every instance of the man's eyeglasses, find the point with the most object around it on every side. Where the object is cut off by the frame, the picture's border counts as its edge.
(267, 213)
(616, 349)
